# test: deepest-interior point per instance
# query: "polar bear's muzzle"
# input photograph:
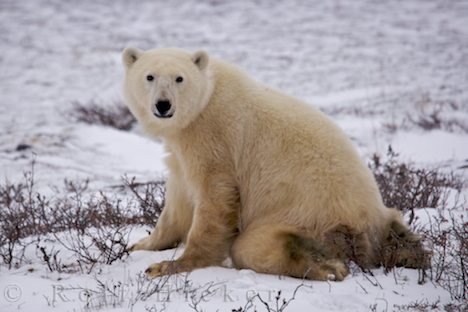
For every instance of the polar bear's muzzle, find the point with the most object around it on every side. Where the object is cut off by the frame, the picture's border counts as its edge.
(163, 109)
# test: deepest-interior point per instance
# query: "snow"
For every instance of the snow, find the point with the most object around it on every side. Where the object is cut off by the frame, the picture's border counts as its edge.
(450, 147)
(33, 291)
(367, 64)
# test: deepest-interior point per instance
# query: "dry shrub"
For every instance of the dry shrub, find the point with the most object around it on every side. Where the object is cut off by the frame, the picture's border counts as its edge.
(406, 188)
(421, 306)
(150, 197)
(117, 116)
(93, 226)
(447, 238)
(434, 114)
(23, 213)
(425, 305)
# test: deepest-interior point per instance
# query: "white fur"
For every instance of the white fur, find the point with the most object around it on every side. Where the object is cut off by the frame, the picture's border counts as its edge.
(244, 157)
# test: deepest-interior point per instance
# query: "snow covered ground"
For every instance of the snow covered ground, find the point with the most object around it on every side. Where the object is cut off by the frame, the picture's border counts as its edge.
(379, 68)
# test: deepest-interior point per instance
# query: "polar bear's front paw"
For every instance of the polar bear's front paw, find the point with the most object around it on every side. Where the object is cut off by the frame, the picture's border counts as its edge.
(143, 244)
(161, 269)
(167, 268)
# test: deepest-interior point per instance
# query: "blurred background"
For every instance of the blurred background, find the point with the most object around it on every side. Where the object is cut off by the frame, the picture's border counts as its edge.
(389, 72)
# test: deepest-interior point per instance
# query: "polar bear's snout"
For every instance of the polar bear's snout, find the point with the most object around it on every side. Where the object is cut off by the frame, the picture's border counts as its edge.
(163, 109)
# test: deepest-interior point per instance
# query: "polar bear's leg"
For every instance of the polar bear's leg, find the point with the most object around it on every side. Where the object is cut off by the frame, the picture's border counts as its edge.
(175, 220)
(277, 249)
(214, 228)
(403, 248)
(345, 242)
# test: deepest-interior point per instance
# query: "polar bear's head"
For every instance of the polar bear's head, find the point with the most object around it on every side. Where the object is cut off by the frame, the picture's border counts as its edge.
(166, 89)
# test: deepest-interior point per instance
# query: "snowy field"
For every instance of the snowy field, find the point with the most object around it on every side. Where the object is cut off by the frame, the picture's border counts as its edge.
(388, 72)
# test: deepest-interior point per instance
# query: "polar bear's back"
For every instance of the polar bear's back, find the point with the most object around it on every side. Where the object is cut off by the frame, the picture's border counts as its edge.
(293, 163)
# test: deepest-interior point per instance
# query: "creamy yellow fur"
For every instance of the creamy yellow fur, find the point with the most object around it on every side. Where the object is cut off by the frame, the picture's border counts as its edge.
(254, 173)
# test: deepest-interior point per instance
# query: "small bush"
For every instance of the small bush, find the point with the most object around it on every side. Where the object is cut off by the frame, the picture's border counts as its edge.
(94, 226)
(431, 114)
(150, 196)
(447, 238)
(406, 188)
(438, 114)
(117, 116)
(23, 213)
(421, 306)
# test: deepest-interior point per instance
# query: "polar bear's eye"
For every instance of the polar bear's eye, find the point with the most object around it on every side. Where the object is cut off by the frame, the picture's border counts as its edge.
(149, 77)
(179, 79)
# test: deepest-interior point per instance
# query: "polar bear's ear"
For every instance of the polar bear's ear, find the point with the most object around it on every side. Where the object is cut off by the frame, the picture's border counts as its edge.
(130, 55)
(200, 58)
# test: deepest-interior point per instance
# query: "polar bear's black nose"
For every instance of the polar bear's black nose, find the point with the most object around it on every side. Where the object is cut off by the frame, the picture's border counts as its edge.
(163, 106)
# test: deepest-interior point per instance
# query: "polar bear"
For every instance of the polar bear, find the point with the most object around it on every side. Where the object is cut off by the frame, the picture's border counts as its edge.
(257, 175)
